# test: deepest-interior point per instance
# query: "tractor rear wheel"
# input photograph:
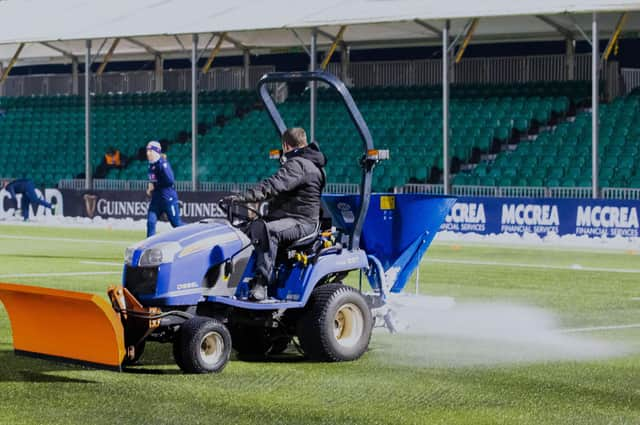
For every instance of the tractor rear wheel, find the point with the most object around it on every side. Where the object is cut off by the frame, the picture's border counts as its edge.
(337, 324)
(205, 345)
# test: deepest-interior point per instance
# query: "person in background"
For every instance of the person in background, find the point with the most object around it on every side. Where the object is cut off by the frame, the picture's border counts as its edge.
(113, 158)
(164, 198)
(26, 188)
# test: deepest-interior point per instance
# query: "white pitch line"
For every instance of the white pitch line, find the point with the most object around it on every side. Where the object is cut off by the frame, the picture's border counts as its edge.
(531, 266)
(601, 328)
(40, 238)
(3, 276)
(101, 263)
(542, 246)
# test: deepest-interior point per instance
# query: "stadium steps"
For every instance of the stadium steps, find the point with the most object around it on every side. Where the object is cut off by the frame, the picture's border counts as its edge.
(561, 156)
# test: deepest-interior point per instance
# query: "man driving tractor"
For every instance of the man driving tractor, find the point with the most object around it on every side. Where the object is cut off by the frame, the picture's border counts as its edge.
(294, 194)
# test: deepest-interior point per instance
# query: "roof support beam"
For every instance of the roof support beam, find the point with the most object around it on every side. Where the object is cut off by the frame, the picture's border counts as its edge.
(13, 61)
(556, 26)
(159, 73)
(333, 47)
(570, 59)
(580, 30)
(194, 112)
(107, 57)
(74, 75)
(236, 43)
(104, 43)
(246, 63)
(88, 181)
(344, 64)
(302, 43)
(467, 39)
(326, 35)
(179, 42)
(445, 108)
(615, 36)
(214, 53)
(428, 26)
(146, 47)
(454, 43)
(595, 102)
(313, 86)
(59, 50)
(206, 46)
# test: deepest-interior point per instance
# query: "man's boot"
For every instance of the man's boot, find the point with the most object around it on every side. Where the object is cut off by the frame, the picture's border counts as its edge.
(259, 291)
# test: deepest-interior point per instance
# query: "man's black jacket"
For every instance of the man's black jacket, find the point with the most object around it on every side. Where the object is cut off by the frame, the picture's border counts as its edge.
(295, 190)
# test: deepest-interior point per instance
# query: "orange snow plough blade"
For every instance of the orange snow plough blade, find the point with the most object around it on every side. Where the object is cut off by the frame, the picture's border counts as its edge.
(68, 325)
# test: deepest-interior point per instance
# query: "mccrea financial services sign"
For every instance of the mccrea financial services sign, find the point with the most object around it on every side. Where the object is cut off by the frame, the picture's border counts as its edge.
(595, 218)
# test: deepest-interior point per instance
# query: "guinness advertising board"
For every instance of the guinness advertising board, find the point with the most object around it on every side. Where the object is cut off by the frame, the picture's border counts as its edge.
(194, 206)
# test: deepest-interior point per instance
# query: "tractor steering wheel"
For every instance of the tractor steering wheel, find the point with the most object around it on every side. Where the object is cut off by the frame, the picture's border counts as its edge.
(238, 213)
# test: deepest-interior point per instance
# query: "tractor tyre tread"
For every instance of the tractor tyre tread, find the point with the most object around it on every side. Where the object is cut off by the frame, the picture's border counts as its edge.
(313, 331)
(191, 333)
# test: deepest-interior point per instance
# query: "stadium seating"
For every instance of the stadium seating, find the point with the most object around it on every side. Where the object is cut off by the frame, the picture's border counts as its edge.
(406, 120)
(42, 137)
(561, 156)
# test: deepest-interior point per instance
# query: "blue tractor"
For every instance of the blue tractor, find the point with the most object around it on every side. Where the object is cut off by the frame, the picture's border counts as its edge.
(189, 286)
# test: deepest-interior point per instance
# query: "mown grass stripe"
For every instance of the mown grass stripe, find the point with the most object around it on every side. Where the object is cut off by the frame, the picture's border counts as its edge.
(41, 238)
(4, 276)
(577, 268)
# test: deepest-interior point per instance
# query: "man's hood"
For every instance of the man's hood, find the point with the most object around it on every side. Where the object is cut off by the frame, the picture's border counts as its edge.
(312, 153)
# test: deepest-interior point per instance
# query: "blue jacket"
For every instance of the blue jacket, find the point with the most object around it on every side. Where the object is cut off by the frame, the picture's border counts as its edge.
(161, 175)
(19, 186)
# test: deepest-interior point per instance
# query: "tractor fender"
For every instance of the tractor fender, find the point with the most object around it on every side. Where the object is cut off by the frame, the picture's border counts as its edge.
(344, 261)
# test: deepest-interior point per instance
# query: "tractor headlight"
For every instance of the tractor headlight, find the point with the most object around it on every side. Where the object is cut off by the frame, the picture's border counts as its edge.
(151, 257)
(128, 255)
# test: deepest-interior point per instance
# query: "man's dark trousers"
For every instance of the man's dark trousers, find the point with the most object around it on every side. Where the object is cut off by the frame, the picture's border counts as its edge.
(268, 235)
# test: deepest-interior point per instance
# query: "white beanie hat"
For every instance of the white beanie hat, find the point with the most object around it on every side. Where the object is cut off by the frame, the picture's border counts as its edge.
(154, 146)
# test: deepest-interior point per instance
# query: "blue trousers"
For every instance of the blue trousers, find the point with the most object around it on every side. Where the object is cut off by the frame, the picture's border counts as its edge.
(31, 197)
(170, 208)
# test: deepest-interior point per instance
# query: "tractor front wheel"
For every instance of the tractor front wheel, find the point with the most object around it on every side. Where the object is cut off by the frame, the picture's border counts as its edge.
(337, 324)
(204, 346)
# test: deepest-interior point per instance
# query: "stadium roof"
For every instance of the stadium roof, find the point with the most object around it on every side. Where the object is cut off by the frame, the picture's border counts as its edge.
(165, 26)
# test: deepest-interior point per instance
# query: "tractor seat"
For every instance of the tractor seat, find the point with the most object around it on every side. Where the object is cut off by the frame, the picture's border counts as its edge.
(305, 240)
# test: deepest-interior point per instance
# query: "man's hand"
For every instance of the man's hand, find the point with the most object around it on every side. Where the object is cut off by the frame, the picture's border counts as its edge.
(230, 199)
(150, 189)
(226, 202)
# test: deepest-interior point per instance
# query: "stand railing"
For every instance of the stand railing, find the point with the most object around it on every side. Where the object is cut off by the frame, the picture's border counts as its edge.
(140, 185)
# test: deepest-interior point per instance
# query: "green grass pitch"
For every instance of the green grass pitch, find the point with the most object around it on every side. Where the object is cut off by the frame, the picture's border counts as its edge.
(402, 379)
